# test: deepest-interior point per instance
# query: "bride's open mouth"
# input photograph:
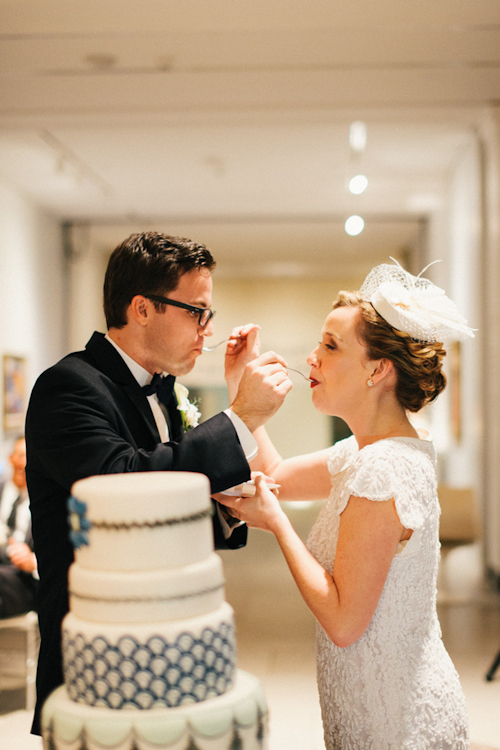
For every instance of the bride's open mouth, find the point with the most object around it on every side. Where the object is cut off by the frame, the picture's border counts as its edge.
(314, 382)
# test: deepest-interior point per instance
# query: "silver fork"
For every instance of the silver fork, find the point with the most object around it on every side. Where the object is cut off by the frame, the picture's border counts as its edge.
(224, 341)
(213, 348)
(300, 373)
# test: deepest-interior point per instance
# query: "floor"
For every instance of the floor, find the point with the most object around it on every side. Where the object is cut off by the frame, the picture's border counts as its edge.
(276, 643)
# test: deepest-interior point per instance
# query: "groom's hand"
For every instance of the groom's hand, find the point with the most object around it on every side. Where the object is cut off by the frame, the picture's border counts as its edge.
(243, 347)
(263, 387)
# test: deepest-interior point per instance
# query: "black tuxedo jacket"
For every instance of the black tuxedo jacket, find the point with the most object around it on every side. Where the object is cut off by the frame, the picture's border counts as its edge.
(87, 415)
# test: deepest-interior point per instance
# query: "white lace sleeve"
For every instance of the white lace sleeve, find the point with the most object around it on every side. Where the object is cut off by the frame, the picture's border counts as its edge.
(340, 453)
(393, 469)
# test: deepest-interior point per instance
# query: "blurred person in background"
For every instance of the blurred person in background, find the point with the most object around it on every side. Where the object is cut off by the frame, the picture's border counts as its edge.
(18, 569)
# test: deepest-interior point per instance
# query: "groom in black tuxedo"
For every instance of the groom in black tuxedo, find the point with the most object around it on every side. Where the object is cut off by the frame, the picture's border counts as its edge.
(101, 411)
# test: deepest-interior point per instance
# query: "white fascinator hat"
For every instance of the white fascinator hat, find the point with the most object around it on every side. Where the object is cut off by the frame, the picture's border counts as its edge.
(414, 305)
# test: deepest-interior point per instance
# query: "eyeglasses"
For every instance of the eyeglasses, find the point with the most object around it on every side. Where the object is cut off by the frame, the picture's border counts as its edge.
(205, 314)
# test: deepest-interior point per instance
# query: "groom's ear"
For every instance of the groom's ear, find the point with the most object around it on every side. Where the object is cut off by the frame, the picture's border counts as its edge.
(139, 310)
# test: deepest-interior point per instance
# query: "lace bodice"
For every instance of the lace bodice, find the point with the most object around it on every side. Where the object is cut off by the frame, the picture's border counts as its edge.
(396, 687)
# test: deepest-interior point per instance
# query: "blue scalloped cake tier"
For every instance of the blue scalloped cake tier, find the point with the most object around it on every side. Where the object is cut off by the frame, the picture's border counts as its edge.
(158, 672)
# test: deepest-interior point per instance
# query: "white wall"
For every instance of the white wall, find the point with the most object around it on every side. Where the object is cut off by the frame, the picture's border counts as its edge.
(490, 135)
(86, 268)
(31, 289)
(456, 239)
(457, 236)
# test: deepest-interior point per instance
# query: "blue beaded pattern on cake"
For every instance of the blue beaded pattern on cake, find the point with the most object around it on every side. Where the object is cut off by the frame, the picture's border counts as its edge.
(154, 674)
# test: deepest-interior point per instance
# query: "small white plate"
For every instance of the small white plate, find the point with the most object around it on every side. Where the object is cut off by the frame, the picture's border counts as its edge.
(247, 489)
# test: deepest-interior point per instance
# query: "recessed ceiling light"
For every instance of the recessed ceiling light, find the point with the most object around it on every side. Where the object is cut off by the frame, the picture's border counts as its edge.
(354, 225)
(358, 184)
(357, 136)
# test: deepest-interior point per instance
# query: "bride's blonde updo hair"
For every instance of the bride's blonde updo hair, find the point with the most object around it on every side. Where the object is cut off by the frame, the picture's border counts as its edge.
(418, 364)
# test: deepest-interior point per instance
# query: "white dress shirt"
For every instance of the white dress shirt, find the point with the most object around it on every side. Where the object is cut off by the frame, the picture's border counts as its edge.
(143, 377)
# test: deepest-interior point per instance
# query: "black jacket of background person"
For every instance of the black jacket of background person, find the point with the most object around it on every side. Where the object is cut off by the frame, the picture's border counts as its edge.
(88, 415)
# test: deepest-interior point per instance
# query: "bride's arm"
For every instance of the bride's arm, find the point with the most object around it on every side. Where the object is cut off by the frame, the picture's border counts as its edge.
(300, 478)
(303, 477)
(343, 603)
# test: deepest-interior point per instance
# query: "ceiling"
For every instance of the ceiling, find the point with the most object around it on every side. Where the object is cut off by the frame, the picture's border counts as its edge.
(228, 121)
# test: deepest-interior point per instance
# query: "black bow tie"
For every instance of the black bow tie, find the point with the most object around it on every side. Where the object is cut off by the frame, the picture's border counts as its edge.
(163, 385)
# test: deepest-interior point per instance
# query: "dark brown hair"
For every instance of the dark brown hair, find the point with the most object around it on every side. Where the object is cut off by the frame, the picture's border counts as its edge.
(148, 263)
(418, 364)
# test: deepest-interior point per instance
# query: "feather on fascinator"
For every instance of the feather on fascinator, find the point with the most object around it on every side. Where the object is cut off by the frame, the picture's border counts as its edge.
(414, 305)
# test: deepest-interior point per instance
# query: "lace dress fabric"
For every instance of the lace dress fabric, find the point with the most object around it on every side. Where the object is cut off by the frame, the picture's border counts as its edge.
(396, 687)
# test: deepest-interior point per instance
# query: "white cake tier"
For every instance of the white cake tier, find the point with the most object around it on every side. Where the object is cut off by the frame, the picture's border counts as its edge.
(144, 520)
(149, 595)
(236, 719)
(121, 665)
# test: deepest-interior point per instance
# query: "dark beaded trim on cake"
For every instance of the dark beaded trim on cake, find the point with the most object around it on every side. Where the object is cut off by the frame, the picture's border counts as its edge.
(148, 599)
(151, 524)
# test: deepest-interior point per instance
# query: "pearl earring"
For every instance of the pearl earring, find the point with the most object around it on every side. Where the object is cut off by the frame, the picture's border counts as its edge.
(369, 383)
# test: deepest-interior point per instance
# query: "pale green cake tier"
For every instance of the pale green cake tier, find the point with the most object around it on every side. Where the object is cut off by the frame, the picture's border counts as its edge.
(238, 718)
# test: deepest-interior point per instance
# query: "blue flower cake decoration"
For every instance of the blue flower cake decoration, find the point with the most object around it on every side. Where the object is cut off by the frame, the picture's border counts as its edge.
(78, 522)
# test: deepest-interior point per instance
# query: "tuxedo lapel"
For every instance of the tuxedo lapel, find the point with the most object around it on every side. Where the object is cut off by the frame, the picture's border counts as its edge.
(113, 366)
(137, 397)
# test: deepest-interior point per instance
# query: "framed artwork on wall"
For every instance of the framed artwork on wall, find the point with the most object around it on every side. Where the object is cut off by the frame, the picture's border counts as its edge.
(14, 393)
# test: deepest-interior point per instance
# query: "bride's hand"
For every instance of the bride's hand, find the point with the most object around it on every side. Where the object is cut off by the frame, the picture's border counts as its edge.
(243, 347)
(268, 479)
(261, 511)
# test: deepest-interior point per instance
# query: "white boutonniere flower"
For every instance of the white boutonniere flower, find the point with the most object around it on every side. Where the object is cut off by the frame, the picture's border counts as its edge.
(189, 411)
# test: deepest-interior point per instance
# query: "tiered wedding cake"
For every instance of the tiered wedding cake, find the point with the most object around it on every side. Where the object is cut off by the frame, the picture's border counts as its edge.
(149, 648)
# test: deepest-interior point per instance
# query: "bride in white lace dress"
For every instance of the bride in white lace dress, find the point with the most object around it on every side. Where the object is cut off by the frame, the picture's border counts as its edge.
(369, 570)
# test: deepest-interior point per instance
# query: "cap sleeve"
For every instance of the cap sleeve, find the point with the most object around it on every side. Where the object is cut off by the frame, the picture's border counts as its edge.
(340, 454)
(390, 470)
